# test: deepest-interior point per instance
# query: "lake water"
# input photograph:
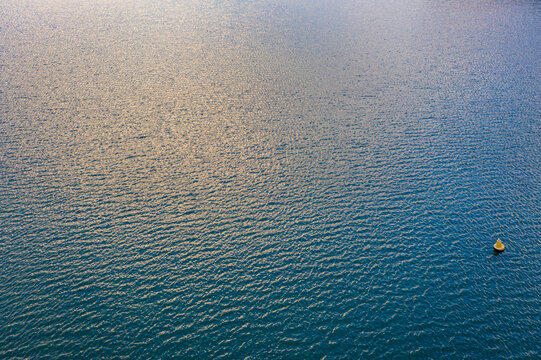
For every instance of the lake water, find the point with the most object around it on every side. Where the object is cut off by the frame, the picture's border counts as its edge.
(278, 179)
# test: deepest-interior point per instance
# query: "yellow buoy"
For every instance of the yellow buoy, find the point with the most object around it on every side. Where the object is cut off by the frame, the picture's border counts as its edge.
(499, 246)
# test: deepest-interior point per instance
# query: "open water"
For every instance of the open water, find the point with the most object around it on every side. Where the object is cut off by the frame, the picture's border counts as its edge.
(278, 179)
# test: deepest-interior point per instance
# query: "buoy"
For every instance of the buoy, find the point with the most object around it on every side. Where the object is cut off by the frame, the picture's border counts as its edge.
(499, 246)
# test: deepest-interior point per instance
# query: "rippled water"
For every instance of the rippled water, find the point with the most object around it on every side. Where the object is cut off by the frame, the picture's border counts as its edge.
(270, 179)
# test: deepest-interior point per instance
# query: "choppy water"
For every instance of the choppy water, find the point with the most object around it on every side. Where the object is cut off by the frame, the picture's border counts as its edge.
(270, 179)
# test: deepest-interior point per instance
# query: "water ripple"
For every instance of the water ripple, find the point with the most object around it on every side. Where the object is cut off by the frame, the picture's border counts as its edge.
(222, 179)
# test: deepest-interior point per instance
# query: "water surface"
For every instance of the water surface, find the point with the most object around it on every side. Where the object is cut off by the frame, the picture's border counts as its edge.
(270, 179)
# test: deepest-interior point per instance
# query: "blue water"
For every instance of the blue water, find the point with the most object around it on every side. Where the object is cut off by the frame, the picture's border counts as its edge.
(276, 179)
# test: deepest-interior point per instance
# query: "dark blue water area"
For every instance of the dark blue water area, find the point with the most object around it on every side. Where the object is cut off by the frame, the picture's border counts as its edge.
(255, 179)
